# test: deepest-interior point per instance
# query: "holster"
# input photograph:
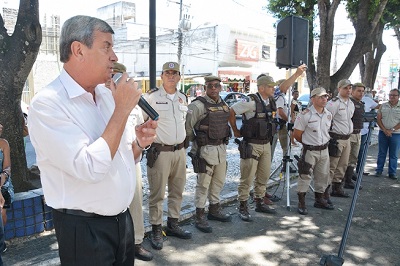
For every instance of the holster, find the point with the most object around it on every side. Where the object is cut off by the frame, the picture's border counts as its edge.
(333, 148)
(199, 164)
(303, 166)
(152, 155)
(245, 150)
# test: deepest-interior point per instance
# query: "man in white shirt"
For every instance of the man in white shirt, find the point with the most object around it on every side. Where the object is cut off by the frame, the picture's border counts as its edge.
(85, 152)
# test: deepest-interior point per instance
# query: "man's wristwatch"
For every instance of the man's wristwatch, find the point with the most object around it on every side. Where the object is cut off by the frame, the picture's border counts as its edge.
(392, 129)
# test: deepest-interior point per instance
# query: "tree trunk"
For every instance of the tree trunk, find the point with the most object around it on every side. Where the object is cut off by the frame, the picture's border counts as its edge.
(18, 53)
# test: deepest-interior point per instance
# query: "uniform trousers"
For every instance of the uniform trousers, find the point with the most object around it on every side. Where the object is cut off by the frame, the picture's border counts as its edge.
(319, 161)
(209, 185)
(169, 169)
(355, 142)
(261, 169)
(338, 165)
(282, 135)
(97, 241)
(136, 207)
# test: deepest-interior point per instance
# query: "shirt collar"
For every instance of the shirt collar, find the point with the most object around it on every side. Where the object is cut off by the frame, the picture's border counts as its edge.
(72, 88)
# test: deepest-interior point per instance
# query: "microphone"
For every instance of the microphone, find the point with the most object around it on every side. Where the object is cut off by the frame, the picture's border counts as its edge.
(146, 107)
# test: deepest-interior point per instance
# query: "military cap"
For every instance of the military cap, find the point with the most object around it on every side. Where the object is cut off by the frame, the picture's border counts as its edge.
(266, 80)
(171, 66)
(211, 78)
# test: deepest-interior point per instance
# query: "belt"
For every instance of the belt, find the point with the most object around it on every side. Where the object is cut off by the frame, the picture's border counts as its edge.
(315, 148)
(83, 214)
(215, 141)
(339, 136)
(257, 141)
(356, 131)
(161, 147)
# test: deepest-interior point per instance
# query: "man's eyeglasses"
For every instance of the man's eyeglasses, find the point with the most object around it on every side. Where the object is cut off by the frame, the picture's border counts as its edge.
(393, 95)
(171, 74)
(216, 85)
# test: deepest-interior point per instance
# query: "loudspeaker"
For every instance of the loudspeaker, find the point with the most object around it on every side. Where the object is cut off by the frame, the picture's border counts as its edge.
(291, 42)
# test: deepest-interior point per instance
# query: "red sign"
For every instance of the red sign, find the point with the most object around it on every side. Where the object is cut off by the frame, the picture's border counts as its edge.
(247, 51)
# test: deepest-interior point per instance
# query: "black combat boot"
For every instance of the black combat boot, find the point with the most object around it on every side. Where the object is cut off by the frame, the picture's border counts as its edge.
(173, 229)
(156, 238)
(215, 213)
(201, 222)
(262, 207)
(327, 196)
(302, 203)
(337, 190)
(244, 211)
(321, 203)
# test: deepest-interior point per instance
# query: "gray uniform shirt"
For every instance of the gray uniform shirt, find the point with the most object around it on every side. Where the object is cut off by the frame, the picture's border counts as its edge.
(342, 112)
(315, 126)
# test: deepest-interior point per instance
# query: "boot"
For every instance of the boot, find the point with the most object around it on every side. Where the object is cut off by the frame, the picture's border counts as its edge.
(173, 229)
(244, 211)
(327, 196)
(348, 183)
(301, 207)
(156, 238)
(321, 203)
(142, 254)
(337, 190)
(215, 213)
(354, 178)
(272, 198)
(201, 222)
(262, 207)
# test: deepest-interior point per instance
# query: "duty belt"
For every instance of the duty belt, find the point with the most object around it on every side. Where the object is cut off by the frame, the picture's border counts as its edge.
(215, 141)
(257, 141)
(339, 136)
(161, 147)
(356, 131)
(315, 148)
(84, 214)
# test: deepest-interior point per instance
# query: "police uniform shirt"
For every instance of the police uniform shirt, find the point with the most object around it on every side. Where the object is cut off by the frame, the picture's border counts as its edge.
(171, 123)
(342, 112)
(369, 104)
(281, 103)
(390, 115)
(213, 154)
(248, 108)
(315, 126)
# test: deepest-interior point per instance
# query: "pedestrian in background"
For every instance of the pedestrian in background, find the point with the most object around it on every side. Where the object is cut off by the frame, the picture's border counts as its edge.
(295, 108)
(85, 152)
(311, 129)
(166, 160)
(388, 120)
(208, 130)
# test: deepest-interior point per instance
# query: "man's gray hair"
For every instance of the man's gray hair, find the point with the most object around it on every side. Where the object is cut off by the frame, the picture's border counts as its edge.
(81, 29)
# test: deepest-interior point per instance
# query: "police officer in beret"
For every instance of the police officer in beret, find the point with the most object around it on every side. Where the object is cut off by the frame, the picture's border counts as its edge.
(311, 128)
(207, 127)
(166, 159)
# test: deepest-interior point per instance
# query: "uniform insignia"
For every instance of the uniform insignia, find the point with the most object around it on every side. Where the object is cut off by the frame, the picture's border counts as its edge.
(329, 117)
(305, 111)
(161, 102)
(334, 99)
(150, 91)
(180, 100)
(190, 111)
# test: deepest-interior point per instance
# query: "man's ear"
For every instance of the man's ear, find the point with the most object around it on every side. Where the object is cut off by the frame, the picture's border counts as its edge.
(77, 50)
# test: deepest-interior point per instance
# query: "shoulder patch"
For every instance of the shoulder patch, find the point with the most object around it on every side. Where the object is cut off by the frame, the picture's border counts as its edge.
(184, 95)
(305, 111)
(150, 91)
(335, 98)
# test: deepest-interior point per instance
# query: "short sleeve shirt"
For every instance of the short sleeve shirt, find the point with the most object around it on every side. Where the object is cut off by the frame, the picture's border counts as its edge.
(390, 115)
(342, 112)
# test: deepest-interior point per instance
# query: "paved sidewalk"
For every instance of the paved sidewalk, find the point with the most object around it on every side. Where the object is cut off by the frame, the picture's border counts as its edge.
(42, 249)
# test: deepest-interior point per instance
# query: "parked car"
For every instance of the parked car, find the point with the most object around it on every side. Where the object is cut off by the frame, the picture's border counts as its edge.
(232, 97)
(304, 99)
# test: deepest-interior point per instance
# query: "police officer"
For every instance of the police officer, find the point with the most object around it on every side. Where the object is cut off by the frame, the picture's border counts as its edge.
(357, 94)
(207, 127)
(311, 128)
(255, 149)
(342, 109)
(166, 159)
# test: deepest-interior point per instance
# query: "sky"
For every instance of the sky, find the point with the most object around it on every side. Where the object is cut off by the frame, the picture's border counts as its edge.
(246, 13)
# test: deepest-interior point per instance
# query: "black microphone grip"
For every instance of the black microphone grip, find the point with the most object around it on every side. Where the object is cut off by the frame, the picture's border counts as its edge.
(146, 107)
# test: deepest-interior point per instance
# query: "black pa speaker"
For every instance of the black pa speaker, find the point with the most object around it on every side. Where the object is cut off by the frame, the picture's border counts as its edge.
(291, 42)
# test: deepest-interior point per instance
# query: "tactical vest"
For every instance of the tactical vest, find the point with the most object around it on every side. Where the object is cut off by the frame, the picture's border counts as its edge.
(358, 115)
(260, 128)
(213, 129)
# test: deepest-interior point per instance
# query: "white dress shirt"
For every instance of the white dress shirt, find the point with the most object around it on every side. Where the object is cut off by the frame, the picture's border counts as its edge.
(76, 169)
(369, 104)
